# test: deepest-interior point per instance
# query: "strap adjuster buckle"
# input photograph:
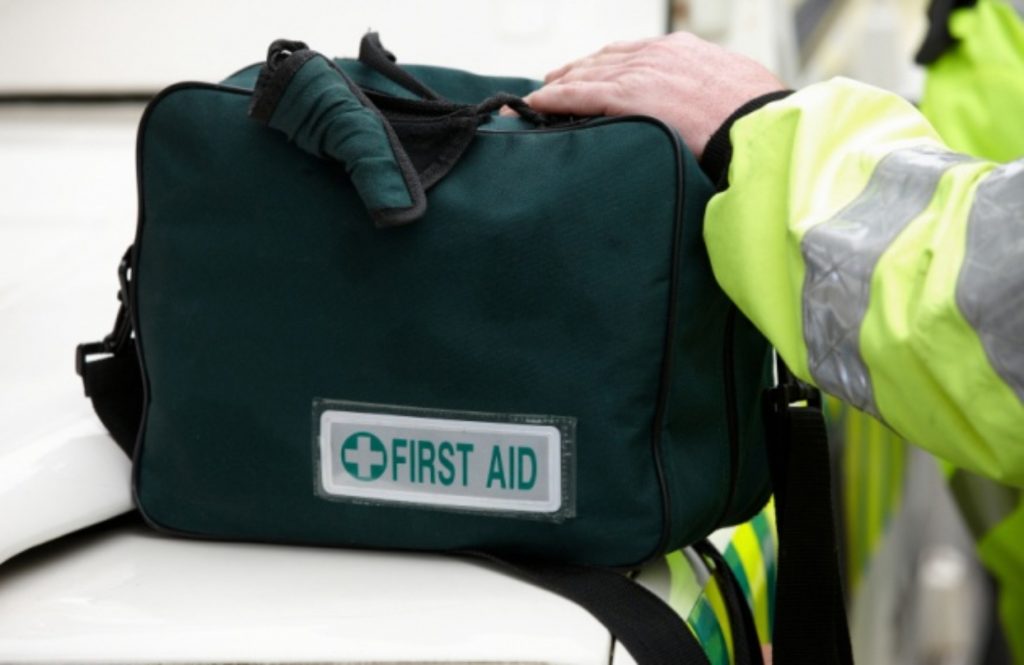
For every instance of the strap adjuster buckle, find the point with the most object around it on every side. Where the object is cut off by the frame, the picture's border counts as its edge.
(117, 340)
(790, 389)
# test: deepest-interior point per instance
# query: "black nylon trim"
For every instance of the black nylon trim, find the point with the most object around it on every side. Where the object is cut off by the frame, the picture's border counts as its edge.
(272, 83)
(373, 54)
(454, 133)
(718, 151)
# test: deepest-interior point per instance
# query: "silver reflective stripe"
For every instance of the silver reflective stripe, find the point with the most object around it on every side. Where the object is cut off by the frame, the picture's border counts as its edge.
(840, 255)
(990, 287)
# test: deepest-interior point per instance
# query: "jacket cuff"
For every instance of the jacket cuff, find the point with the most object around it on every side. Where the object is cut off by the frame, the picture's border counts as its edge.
(718, 151)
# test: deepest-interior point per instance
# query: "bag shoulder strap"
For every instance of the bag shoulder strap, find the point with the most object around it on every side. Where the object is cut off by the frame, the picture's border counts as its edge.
(373, 54)
(810, 609)
(810, 625)
(648, 627)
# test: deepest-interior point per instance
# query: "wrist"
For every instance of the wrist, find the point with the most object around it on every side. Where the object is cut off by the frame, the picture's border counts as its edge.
(718, 152)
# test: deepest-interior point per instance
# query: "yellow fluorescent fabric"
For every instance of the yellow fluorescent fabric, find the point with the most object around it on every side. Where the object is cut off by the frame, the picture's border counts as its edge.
(796, 164)
(974, 94)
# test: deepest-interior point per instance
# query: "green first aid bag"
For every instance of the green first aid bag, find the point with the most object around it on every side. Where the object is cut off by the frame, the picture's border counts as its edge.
(370, 311)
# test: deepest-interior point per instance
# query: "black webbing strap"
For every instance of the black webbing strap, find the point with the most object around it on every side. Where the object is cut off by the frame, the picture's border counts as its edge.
(646, 626)
(810, 612)
(114, 384)
(373, 54)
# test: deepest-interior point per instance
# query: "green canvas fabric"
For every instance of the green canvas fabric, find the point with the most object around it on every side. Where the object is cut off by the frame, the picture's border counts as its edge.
(555, 271)
(320, 113)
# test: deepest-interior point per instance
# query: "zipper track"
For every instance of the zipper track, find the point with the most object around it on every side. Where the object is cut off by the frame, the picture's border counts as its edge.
(731, 409)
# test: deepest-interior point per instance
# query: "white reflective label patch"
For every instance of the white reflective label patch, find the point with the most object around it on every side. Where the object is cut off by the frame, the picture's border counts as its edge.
(479, 465)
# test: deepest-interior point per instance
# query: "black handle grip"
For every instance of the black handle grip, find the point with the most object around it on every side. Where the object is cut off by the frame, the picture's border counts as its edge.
(307, 97)
(393, 148)
(373, 54)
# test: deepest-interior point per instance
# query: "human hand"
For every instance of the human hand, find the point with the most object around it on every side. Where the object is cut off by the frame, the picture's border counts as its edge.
(686, 82)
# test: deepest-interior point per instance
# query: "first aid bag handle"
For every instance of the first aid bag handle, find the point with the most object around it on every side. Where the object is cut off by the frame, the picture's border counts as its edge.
(315, 104)
(373, 54)
(318, 107)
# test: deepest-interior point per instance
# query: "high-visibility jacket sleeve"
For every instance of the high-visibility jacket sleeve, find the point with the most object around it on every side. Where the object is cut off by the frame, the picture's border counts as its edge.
(974, 93)
(887, 269)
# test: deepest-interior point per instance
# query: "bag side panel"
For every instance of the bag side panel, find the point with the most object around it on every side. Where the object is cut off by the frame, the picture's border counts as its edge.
(696, 441)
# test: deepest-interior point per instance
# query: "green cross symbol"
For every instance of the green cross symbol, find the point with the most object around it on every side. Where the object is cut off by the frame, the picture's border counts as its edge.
(364, 457)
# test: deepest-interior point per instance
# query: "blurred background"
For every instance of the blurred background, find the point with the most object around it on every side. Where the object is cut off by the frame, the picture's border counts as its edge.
(83, 47)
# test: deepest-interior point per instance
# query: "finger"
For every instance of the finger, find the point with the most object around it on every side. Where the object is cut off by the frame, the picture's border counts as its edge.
(597, 59)
(615, 48)
(507, 112)
(575, 98)
(556, 74)
(594, 72)
(628, 46)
